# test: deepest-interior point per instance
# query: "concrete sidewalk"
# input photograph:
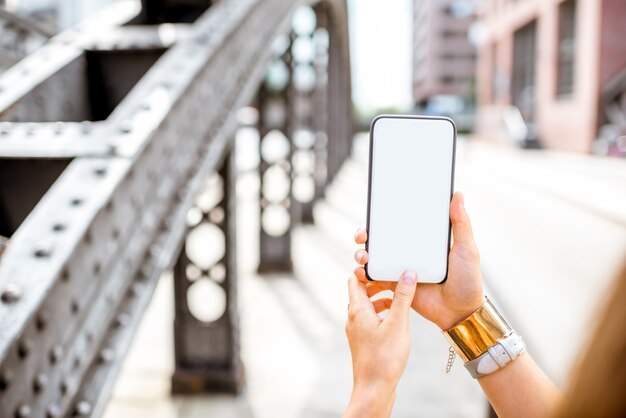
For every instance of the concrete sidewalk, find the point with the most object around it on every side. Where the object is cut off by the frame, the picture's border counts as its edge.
(551, 232)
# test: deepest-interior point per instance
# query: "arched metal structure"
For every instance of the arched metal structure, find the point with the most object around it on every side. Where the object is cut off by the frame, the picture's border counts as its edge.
(108, 133)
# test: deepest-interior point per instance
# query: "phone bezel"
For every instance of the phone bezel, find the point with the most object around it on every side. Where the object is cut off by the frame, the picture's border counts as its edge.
(369, 181)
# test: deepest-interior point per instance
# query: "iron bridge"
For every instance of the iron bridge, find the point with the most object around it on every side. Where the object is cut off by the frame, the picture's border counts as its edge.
(109, 132)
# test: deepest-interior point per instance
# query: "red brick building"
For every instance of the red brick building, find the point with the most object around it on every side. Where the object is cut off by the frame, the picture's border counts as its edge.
(444, 60)
(554, 60)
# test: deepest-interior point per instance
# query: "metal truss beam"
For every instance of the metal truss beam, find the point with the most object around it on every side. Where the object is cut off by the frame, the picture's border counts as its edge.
(83, 263)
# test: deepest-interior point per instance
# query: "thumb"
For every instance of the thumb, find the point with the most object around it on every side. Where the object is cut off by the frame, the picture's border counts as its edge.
(403, 297)
(461, 226)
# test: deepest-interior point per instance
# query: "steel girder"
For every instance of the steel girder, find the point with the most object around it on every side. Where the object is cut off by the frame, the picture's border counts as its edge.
(120, 126)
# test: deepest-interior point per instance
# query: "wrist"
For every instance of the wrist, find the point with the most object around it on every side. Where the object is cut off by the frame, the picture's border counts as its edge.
(373, 398)
(456, 317)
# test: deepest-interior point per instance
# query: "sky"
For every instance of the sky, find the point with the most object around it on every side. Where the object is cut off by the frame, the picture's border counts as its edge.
(380, 49)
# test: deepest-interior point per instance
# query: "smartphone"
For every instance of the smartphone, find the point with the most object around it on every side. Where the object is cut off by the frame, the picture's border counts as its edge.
(411, 181)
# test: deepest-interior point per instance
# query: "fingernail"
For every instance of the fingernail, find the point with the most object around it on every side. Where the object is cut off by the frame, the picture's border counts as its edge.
(409, 277)
(357, 233)
(359, 256)
(462, 200)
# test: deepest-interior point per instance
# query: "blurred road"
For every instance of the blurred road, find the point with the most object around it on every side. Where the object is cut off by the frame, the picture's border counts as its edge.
(552, 232)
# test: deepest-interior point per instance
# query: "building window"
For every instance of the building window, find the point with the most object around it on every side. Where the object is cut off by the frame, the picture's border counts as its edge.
(494, 72)
(446, 79)
(458, 56)
(449, 34)
(567, 48)
(524, 61)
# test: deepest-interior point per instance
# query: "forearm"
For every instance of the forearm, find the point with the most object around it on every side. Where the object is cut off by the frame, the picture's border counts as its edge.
(521, 389)
(371, 401)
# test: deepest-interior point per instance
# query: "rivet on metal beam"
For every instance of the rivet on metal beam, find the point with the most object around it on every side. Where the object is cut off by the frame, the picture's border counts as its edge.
(126, 126)
(59, 227)
(5, 129)
(65, 386)
(43, 250)
(30, 129)
(122, 320)
(53, 411)
(86, 127)
(40, 322)
(145, 271)
(112, 149)
(83, 408)
(6, 377)
(55, 354)
(107, 355)
(24, 348)
(40, 382)
(58, 128)
(135, 289)
(24, 411)
(11, 293)
(155, 250)
(100, 171)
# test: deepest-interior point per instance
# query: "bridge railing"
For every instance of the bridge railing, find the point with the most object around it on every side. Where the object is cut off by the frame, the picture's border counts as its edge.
(108, 133)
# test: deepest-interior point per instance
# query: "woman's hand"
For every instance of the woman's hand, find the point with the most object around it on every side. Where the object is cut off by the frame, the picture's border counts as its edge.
(449, 303)
(379, 346)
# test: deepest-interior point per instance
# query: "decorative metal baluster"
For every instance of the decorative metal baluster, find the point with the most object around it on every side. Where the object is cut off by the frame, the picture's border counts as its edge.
(275, 167)
(206, 327)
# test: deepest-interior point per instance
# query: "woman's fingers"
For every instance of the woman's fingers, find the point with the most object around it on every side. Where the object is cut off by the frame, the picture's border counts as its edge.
(403, 298)
(361, 256)
(461, 226)
(361, 236)
(374, 288)
(360, 307)
(359, 273)
(357, 292)
(382, 304)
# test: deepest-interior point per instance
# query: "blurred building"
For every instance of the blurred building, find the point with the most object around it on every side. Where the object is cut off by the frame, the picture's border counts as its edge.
(444, 60)
(553, 71)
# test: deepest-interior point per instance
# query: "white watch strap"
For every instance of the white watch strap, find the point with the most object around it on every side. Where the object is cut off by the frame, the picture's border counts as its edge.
(505, 351)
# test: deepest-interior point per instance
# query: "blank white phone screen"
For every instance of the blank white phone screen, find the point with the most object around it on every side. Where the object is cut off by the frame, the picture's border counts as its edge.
(409, 204)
